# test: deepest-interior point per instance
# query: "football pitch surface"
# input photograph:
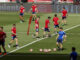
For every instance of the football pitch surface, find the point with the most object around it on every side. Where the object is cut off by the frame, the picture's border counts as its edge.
(72, 30)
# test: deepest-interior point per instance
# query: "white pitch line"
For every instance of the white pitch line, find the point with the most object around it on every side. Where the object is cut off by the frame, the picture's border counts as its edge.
(38, 40)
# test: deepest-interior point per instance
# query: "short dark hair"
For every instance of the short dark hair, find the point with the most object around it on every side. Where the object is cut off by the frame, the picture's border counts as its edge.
(14, 24)
(49, 17)
(21, 3)
(1, 27)
(61, 28)
(38, 17)
(55, 15)
(73, 48)
(63, 7)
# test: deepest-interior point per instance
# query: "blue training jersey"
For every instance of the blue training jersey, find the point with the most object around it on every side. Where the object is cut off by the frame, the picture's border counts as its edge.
(61, 34)
(73, 55)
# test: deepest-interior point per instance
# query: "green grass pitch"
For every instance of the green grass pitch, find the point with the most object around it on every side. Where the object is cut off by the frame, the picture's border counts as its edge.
(73, 35)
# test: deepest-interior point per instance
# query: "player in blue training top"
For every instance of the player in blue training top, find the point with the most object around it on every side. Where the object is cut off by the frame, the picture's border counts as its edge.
(61, 36)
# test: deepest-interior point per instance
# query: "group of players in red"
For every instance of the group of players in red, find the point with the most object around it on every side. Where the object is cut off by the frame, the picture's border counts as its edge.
(36, 19)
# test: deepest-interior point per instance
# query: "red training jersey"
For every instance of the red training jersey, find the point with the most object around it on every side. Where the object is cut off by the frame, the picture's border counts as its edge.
(22, 9)
(2, 36)
(55, 20)
(34, 8)
(64, 12)
(13, 31)
(36, 23)
(47, 23)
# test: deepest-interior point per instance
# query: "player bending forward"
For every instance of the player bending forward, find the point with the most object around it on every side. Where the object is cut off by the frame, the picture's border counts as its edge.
(13, 37)
(46, 29)
(61, 36)
(56, 24)
(22, 10)
(34, 11)
(2, 40)
(37, 27)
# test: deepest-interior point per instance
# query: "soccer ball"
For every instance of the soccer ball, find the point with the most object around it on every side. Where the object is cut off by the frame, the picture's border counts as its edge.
(54, 49)
(45, 50)
(31, 50)
(49, 50)
(40, 50)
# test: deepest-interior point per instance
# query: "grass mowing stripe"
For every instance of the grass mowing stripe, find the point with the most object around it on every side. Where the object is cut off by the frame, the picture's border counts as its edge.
(38, 40)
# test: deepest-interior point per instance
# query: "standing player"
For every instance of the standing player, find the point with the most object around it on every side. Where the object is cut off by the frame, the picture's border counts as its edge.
(46, 29)
(34, 11)
(64, 16)
(60, 37)
(56, 24)
(2, 40)
(22, 10)
(37, 27)
(13, 36)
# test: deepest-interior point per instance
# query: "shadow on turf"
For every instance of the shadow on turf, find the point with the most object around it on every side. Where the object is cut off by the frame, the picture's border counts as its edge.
(36, 56)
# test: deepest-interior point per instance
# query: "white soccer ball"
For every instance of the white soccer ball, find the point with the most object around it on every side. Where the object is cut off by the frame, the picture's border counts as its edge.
(31, 50)
(40, 50)
(54, 49)
(45, 50)
(49, 50)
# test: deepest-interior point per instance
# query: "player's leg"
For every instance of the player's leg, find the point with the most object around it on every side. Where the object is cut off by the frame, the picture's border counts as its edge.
(3, 46)
(49, 34)
(17, 43)
(55, 29)
(63, 21)
(9, 45)
(34, 16)
(44, 33)
(61, 46)
(57, 44)
(0, 50)
(37, 33)
(21, 17)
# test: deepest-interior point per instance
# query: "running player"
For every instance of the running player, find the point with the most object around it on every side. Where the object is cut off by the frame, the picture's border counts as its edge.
(34, 11)
(22, 10)
(46, 29)
(61, 36)
(13, 36)
(64, 16)
(37, 27)
(56, 24)
(2, 40)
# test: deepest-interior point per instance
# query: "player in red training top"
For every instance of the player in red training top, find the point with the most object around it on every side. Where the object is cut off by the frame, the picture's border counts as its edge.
(56, 24)
(13, 37)
(34, 11)
(46, 29)
(64, 16)
(22, 10)
(2, 40)
(37, 27)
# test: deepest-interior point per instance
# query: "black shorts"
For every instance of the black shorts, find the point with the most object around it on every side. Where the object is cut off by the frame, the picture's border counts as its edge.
(2, 43)
(64, 17)
(47, 29)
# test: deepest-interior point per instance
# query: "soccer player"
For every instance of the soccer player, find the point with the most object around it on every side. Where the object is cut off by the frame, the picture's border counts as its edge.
(73, 55)
(61, 36)
(34, 11)
(2, 40)
(22, 10)
(56, 24)
(37, 27)
(13, 37)
(46, 29)
(64, 16)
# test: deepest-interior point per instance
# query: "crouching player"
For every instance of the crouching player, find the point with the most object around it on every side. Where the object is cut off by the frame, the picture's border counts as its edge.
(2, 40)
(56, 24)
(60, 37)
(46, 29)
(13, 36)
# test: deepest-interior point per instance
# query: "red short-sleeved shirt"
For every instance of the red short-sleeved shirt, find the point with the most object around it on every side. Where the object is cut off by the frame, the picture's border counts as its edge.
(55, 20)
(13, 31)
(64, 12)
(2, 36)
(36, 22)
(47, 23)
(34, 8)
(22, 9)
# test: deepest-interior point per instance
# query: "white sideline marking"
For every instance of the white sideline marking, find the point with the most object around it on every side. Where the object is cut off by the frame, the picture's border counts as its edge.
(37, 41)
